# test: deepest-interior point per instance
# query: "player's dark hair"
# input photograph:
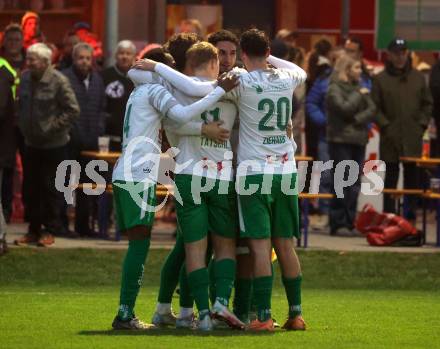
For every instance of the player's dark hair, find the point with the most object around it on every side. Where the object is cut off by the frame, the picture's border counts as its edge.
(177, 46)
(222, 35)
(254, 43)
(159, 55)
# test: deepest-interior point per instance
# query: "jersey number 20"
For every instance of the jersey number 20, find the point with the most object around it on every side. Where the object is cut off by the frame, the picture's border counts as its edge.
(281, 109)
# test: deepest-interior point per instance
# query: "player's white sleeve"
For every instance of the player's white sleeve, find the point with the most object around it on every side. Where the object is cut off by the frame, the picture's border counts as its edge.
(140, 77)
(165, 103)
(192, 128)
(184, 83)
(298, 73)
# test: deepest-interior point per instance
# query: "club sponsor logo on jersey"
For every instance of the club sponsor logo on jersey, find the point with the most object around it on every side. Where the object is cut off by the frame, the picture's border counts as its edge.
(258, 88)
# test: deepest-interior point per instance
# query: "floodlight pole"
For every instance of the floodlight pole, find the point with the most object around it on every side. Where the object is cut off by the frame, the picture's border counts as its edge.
(345, 19)
(111, 29)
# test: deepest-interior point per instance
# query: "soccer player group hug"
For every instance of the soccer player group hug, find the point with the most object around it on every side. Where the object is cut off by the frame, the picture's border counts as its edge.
(235, 182)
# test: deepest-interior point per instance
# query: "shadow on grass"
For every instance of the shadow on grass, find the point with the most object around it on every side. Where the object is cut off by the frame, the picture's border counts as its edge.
(173, 332)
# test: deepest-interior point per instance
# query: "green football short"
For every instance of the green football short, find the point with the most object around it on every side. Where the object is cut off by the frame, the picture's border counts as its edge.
(268, 213)
(212, 211)
(133, 212)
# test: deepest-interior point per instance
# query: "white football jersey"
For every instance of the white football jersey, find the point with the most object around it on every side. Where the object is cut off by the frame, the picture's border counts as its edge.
(264, 100)
(141, 133)
(202, 156)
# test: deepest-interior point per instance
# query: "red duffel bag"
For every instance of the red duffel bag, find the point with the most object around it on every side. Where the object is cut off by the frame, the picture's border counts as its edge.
(386, 229)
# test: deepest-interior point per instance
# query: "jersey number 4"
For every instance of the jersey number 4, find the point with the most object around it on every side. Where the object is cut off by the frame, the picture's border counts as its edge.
(281, 109)
(127, 121)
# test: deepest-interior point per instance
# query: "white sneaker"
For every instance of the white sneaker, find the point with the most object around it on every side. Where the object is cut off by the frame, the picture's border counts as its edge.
(220, 312)
(205, 324)
(164, 320)
(187, 322)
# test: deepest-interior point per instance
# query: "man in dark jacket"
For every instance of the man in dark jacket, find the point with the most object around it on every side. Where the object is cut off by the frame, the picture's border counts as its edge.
(89, 90)
(117, 90)
(435, 90)
(12, 57)
(7, 139)
(48, 108)
(404, 107)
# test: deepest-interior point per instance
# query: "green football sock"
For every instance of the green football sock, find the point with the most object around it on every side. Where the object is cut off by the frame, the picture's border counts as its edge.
(293, 293)
(185, 298)
(224, 271)
(253, 306)
(169, 275)
(262, 288)
(199, 282)
(132, 274)
(211, 272)
(242, 298)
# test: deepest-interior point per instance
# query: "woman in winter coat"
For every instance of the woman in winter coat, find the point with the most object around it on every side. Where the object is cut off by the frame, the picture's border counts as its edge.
(349, 111)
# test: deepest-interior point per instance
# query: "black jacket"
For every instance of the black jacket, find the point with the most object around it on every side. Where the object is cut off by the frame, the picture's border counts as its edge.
(91, 122)
(117, 90)
(7, 130)
(404, 107)
(434, 84)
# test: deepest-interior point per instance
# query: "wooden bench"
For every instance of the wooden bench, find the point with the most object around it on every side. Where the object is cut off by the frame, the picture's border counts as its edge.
(398, 194)
(161, 190)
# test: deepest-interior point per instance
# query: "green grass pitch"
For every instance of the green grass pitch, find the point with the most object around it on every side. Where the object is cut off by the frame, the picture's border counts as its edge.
(68, 298)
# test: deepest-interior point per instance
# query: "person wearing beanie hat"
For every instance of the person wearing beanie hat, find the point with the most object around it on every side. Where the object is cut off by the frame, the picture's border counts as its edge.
(30, 24)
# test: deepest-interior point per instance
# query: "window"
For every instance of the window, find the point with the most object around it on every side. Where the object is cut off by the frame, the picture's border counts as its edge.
(417, 21)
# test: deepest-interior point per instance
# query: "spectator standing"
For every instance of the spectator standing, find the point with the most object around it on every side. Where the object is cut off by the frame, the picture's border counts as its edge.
(191, 25)
(83, 31)
(435, 90)
(66, 61)
(7, 138)
(316, 123)
(318, 61)
(12, 48)
(88, 87)
(48, 108)
(404, 108)
(354, 47)
(288, 36)
(349, 111)
(117, 90)
(30, 24)
(12, 58)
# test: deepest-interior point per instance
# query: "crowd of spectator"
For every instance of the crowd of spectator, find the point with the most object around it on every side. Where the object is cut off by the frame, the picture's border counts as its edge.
(56, 102)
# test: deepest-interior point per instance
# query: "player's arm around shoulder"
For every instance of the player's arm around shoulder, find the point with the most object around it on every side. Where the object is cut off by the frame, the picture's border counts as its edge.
(295, 71)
